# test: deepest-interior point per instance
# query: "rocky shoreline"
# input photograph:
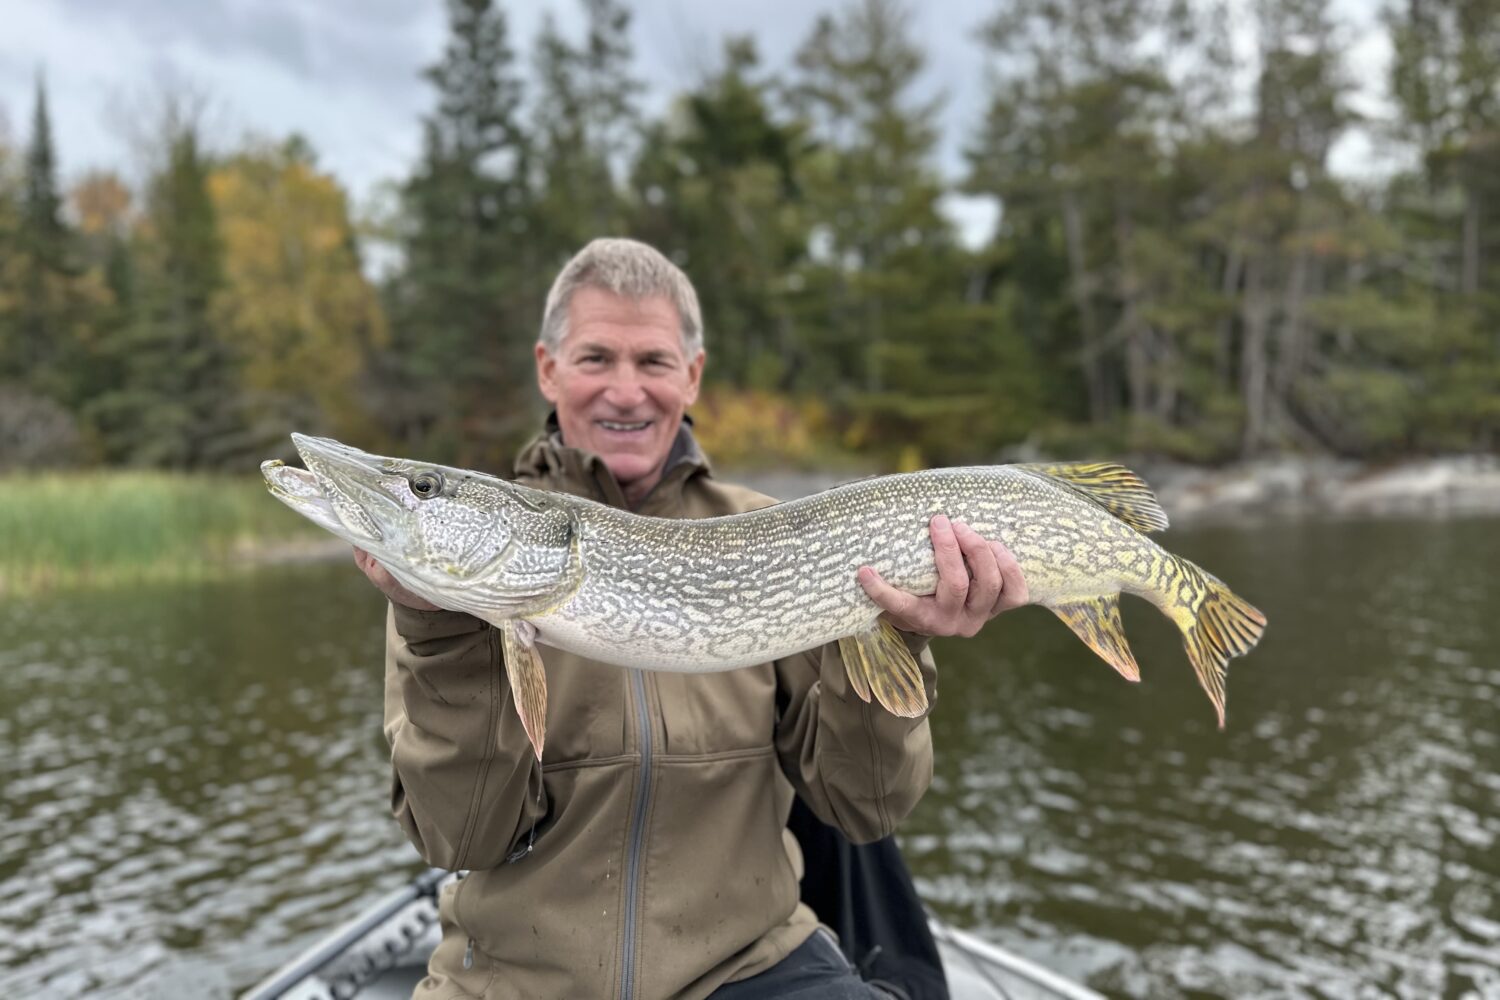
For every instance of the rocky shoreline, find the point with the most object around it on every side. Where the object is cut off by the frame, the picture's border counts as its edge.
(1460, 485)
(1464, 485)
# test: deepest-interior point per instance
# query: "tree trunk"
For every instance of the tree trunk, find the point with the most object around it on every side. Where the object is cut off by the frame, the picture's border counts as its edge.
(1468, 283)
(1253, 368)
(1289, 343)
(1234, 272)
(1080, 287)
(1135, 333)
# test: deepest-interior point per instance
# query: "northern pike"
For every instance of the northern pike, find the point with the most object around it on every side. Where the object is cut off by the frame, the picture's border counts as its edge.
(698, 596)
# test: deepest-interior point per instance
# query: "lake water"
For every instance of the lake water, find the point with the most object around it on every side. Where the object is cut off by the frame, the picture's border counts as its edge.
(195, 782)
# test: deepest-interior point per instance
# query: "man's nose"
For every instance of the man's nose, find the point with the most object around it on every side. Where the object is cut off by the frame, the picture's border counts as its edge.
(625, 390)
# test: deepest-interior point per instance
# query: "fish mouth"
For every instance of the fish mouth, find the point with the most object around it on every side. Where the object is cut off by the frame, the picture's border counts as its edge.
(299, 490)
(348, 481)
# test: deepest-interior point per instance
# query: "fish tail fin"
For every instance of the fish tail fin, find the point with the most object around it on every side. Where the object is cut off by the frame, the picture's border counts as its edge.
(1216, 625)
(1097, 622)
(878, 662)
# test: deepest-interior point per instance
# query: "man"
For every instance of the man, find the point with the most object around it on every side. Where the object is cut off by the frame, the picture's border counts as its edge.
(648, 856)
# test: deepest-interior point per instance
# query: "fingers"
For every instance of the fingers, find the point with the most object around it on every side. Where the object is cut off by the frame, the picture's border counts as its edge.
(977, 579)
(953, 575)
(367, 563)
(985, 588)
(1013, 589)
(898, 603)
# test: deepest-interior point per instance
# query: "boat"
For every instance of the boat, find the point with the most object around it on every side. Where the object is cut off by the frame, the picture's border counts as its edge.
(382, 954)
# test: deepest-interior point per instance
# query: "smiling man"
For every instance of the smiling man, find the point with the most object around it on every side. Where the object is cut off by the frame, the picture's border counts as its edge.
(620, 381)
(649, 857)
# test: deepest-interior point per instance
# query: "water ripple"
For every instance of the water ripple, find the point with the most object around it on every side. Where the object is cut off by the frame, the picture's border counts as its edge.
(195, 782)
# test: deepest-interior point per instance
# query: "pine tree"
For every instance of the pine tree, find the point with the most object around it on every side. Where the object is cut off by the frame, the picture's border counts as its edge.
(584, 123)
(465, 308)
(45, 264)
(178, 404)
(716, 191)
(885, 294)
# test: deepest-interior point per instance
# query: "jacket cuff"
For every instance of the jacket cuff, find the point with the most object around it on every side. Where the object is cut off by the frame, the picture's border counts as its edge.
(422, 626)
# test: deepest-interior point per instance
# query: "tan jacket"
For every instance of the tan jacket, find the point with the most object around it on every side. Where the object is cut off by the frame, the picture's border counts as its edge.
(658, 864)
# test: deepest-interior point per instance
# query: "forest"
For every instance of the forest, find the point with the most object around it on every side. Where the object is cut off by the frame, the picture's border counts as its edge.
(1175, 272)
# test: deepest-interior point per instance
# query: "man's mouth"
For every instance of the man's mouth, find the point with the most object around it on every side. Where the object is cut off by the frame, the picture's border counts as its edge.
(624, 425)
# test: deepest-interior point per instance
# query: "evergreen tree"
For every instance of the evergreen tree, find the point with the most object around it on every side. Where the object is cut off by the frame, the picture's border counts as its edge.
(1444, 79)
(885, 298)
(716, 191)
(584, 123)
(1074, 145)
(48, 303)
(46, 314)
(102, 206)
(466, 306)
(178, 404)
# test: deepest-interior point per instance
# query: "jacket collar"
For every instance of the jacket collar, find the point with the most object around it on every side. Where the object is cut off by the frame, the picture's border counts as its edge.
(557, 465)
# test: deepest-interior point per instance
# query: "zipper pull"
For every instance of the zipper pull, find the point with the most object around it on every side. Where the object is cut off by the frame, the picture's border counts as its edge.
(469, 955)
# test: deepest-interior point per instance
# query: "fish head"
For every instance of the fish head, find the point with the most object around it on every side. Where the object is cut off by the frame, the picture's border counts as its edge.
(461, 539)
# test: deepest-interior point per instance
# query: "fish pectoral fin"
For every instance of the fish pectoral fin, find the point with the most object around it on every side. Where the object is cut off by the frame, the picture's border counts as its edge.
(1113, 487)
(878, 662)
(528, 681)
(1097, 622)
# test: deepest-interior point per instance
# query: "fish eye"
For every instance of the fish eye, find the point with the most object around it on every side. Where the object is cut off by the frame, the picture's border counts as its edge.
(426, 485)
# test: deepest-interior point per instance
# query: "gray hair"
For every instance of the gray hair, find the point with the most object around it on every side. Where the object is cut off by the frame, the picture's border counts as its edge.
(630, 269)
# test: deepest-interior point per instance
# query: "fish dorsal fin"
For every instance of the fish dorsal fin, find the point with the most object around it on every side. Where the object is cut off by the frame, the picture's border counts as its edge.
(1111, 486)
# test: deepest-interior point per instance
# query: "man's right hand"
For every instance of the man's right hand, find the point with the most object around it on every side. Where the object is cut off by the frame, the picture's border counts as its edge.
(388, 585)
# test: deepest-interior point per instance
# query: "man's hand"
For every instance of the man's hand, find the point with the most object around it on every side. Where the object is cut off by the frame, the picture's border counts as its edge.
(381, 578)
(976, 581)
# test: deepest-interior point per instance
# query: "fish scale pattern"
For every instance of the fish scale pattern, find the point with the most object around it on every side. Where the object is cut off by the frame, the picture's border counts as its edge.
(730, 591)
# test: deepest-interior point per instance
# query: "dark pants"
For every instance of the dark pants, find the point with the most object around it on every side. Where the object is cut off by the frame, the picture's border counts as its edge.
(814, 971)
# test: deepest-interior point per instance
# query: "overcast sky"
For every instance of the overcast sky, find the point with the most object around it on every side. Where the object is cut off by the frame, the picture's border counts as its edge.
(345, 73)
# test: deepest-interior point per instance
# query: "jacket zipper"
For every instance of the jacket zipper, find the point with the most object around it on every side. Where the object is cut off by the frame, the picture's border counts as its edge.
(637, 837)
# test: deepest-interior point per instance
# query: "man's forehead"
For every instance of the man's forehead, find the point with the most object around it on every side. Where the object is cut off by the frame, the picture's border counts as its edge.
(623, 337)
(634, 342)
(600, 305)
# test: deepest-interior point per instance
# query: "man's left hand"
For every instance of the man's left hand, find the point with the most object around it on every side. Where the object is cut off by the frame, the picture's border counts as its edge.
(977, 579)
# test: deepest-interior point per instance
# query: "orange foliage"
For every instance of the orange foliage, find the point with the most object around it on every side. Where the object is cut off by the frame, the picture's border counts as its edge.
(748, 427)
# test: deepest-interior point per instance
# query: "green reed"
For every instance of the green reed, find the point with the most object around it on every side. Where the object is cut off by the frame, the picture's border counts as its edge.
(59, 529)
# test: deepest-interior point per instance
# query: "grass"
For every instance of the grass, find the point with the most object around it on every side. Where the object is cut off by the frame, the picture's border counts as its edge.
(65, 529)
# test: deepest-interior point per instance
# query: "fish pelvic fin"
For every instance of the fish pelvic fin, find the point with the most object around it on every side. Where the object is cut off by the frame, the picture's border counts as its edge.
(1217, 625)
(1113, 487)
(1097, 622)
(528, 681)
(879, 664)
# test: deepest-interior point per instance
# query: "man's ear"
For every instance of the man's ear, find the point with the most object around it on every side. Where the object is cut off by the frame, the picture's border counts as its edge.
(546, 373)
(695, 377)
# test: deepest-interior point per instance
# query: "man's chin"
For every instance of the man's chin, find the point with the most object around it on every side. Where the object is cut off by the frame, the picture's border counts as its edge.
(628, 468)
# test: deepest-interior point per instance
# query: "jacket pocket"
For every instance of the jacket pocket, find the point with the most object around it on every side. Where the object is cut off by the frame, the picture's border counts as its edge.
(717, 713)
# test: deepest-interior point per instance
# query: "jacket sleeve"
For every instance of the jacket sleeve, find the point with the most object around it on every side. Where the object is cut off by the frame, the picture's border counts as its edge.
(465, 783)
(857, 766)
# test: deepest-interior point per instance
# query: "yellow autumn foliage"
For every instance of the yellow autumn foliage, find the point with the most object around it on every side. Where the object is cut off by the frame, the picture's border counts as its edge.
(296, 306)
(749, 427)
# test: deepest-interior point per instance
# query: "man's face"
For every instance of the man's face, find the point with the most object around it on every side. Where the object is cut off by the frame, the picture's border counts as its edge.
(620, 383)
